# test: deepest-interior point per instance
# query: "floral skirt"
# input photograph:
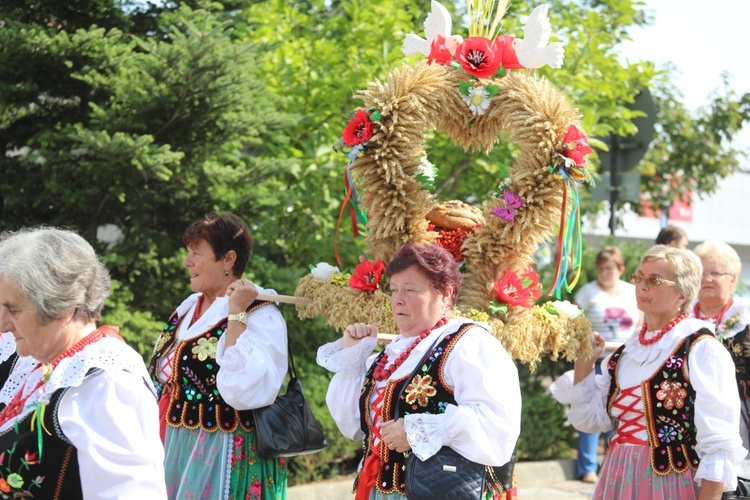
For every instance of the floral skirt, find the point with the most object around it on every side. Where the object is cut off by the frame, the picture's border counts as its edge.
(221, 466)
(627, 474)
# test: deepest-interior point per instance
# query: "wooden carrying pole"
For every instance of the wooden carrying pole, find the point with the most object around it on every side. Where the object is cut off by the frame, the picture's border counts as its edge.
(286, 299)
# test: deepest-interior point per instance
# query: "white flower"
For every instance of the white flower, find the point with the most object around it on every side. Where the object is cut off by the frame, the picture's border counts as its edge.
(324, 271)
(566, 308)
(478, 100)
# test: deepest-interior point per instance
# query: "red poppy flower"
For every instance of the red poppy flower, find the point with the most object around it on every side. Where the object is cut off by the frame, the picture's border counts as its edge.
(358, 130)
(530, 281)
(511, 290)
(439, 53)
(506, 53)
(4, 486)
(576, 146)
(477, 56)
(367, 275)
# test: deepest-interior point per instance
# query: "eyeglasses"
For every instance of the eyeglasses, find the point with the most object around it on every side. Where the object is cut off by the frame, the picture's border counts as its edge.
(650, 280)
(714, 275)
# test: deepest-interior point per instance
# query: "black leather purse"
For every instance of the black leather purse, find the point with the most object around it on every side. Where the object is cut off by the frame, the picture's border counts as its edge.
(741, 493)
(288, 427)
(447, 474)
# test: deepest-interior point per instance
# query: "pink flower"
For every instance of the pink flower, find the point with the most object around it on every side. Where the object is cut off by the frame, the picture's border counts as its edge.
(439, 53)
(358, 130)
(478, 58)
(576, 146)
(367, 275)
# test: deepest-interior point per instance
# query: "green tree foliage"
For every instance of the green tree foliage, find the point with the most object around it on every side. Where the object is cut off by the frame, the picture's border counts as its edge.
(139, 133)
(691, 152)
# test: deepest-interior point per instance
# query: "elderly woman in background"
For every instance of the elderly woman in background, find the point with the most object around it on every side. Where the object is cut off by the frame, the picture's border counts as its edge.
(470, 400)
(668, 392)
(221, 354)
(78, 412)
(730, 316)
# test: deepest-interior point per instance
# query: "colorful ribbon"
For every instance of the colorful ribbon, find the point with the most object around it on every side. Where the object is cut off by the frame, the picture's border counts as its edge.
(39, 415)
(569, 241)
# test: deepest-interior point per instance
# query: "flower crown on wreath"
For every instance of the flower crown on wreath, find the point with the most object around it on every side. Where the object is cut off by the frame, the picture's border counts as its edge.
(473, 91)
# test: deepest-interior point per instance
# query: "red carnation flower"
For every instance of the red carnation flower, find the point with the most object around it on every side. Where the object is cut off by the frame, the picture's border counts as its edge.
(367, 275)
(477, 56)
(439, 53)
(358, 130)
(576, 146)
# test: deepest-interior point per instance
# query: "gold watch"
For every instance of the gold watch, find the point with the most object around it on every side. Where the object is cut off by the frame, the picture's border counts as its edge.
(241, 317)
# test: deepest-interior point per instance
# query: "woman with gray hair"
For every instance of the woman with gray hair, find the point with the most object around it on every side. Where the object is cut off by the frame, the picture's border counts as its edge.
(729, 315)
(668, 393)
(78, 414)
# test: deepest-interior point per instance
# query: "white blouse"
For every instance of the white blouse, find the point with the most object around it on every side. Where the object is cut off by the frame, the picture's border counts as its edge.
(711, 373)
(111, 417)
(253, 369)
(485, 424)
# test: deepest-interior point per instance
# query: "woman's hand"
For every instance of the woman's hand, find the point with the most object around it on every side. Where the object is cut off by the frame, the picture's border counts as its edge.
(354, 334)
(241, 294)
(392, 433)
(583, 367)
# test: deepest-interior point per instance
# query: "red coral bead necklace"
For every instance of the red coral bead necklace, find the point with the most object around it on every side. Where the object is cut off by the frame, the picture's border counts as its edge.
(381, 372)
(17, 404)
(642, 334)
(715, 319)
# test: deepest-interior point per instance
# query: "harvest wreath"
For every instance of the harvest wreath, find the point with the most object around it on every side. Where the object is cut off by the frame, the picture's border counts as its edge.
(385, 145)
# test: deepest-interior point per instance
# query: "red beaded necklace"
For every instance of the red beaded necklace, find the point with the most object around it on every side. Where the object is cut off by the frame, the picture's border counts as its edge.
(381, 372)
(197, 313)
(17, 404)
(662, 332)
(716, 319)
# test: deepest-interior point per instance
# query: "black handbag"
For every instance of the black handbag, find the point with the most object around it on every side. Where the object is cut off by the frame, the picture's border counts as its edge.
(288, 427)
(742, 492)
(447, 474)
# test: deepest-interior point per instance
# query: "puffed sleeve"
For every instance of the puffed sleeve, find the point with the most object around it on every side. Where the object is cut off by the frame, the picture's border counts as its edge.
(253, 369)
(717, 412)
(587, 400)
(112, 419)
(485, 423)
(350, 366)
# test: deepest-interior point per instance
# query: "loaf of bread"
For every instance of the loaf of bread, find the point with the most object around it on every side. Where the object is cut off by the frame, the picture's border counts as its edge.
(455, 214)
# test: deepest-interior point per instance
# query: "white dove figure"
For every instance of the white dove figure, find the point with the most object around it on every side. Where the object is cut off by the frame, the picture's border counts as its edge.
(438, 22)
(532, 51)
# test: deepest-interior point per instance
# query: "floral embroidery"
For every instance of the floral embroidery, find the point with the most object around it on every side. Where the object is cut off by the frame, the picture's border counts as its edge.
(420, 390)
(4, 486)
(672, 393)
(674, 362)
(163, 338)
(667, 434)
(206, 348)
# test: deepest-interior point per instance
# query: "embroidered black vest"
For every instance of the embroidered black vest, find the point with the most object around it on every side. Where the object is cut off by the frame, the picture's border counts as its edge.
(739, 348)
(427, 392)
(668, 407)
(27, 473)
(193, 399)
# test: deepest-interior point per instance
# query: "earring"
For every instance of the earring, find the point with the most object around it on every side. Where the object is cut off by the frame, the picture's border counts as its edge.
(226, 273)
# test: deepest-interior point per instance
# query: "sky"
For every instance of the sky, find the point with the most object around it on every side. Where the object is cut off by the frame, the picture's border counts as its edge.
(703, 38)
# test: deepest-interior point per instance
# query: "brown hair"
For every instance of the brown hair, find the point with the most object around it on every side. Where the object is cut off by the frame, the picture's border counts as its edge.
(669, 234)
(435, 262)
(610, 254)
(223, 233)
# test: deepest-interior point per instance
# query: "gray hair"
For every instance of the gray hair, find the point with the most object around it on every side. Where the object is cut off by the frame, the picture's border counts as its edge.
(722, 253)
(686, 267)
(57, 270)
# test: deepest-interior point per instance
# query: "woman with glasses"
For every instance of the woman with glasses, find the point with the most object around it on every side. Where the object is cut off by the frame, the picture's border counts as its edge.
(729, 315)
(609, 304)
(668, 393)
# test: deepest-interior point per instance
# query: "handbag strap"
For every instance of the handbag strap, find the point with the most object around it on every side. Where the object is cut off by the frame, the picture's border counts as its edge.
(290, 358)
